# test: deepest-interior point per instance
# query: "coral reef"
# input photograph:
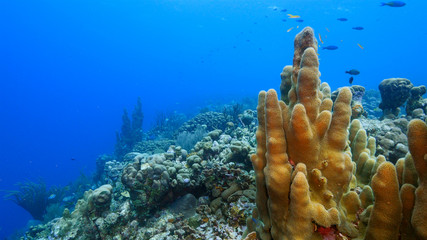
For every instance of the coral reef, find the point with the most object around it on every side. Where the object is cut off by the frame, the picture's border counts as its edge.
(153, 146)
(416, 105)
(212, 121)
(390, 135)
(357, 92)
(305, 172)
(314, 184)
(394, 93)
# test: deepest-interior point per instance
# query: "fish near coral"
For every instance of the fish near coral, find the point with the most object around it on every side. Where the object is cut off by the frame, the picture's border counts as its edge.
(393, 4)
(293, 16)
(332, 47)
(353, 72)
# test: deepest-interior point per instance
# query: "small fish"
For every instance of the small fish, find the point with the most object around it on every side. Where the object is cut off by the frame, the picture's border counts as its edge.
(351, 80)
(353, 72)
(298, 26)
(393, 4)
(52, 196)
(300, 20)
(342, 19)
(284, 20)
(73, 159)
(289, 29)
(284, 10)
(332, 47)
(357, 28)
(360, 46)
(320, 37)
(327, 29)
(293, 16)
(274, 8)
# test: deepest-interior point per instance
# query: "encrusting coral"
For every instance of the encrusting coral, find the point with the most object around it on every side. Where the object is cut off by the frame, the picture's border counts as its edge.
(318, 179)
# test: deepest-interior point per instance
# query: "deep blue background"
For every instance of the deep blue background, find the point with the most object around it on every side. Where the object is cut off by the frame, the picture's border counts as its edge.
(68, 68)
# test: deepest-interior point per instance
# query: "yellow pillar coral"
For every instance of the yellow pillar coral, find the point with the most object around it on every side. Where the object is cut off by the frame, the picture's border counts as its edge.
(310, 168)
(259, 161)
(306, 133)
(286, 83)
(417, 141)
(386, 214)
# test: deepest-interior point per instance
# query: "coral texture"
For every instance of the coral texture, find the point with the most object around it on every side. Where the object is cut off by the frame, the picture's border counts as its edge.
(318, 179)
(394, 93)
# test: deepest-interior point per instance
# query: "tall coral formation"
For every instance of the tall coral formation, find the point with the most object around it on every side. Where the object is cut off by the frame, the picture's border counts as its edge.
(417, 138)
(131, 132)
(318, 180)
(307, 134)
(394, 93)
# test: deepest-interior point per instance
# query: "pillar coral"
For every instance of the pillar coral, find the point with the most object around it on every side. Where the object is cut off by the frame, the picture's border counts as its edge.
(303, 169)
(318, 179)
(417, 141)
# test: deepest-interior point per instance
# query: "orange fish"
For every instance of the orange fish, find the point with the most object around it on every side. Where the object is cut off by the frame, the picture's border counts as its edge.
(320, 37)
(291, 162)
(293, 16)
(360, 46)
(289, 29)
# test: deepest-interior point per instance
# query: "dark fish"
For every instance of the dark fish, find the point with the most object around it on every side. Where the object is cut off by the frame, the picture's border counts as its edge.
(283, 20)
(332, 47)
(284, 10)
(351, 80)
(393, 4)
(342, 19)
(73, 159)
(353, 72)
(357, 28)
(300, 20)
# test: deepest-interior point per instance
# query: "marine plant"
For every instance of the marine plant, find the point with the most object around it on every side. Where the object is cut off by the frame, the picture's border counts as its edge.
(41, 202)
(131, 132)
(187, 140)
(318, 179)
(31, 196)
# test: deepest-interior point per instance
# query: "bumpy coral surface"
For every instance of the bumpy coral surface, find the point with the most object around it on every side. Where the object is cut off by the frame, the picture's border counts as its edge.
(394, 93)
(317, 180)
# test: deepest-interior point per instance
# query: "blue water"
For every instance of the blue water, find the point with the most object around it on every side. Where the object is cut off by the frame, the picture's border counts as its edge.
(68, 68)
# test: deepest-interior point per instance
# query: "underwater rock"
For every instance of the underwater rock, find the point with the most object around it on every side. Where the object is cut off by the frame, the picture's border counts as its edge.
(215, 134)
(394, 93)
(247, 117)
(390, 136)
(416, 106)
(100, 199)
(212, 120)
(151, 147)
(185, 205)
